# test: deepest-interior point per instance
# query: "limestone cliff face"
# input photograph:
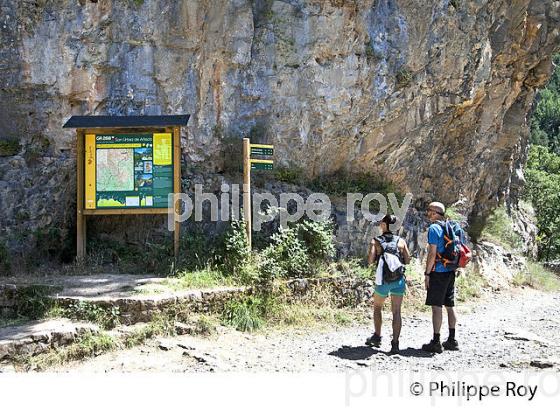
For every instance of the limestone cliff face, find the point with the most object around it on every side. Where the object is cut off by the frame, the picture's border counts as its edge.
(434, 94)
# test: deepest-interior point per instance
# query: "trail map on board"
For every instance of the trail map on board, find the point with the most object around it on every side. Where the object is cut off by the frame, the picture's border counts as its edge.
(115, 170)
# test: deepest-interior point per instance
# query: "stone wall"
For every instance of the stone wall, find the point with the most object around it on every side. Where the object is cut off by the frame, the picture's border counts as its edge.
(344, 291)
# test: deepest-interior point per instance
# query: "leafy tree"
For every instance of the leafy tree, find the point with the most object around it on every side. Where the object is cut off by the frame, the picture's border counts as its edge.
(543, 166)
(543, 190)
(545, 124)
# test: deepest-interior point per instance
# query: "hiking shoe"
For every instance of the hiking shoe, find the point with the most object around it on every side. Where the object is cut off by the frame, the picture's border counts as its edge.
(394, 347)
(374, 340)
(450, 344)
(432, 347)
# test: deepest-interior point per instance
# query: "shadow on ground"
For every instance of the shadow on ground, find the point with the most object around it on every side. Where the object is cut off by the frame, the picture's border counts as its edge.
(365, 352)
(412, 352)
(354, 352)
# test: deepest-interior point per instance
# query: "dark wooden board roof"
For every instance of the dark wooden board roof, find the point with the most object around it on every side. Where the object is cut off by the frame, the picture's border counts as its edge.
(135, 121)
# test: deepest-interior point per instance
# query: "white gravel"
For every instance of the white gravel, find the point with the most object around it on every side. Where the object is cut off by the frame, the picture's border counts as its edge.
(503, 330)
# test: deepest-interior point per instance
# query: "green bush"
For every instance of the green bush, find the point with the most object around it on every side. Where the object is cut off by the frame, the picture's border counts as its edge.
(403, 77)
(34, 301)
(9, 147)
(5, 264)
(543, 166)
(499, 230)
(318, 238)
(106, 317)
(296, 250)
(245, 315)
(288, 252)
(545, 121)
(455, 3)
(200, 250)
(469, 285)
(543, 190)
(453, 214)
(341, 183)
(291, 175)
(268, 266)
(237, 254)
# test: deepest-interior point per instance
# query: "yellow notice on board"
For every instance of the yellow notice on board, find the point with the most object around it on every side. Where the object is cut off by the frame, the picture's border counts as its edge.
(90, 188)
(163, 144)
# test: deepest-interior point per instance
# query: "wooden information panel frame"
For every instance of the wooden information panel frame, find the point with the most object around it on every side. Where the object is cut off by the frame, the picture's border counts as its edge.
(82, 212)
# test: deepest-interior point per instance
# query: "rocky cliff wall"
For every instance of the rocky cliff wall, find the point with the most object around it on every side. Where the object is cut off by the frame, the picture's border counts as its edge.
(434, 94)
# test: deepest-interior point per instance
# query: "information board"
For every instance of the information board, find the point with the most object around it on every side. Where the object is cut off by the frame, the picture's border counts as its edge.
(128, 170)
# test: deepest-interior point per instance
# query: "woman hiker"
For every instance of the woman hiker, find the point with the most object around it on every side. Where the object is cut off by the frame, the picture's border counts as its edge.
(391, 253)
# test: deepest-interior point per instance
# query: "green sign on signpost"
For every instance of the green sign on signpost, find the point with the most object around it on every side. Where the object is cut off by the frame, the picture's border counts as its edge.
(262, 151)
(262, 166)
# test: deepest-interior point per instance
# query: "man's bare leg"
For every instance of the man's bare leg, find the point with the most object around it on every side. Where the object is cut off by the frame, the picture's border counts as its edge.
(435, 344)
(436, 319)
(451, 317)
(451, 343)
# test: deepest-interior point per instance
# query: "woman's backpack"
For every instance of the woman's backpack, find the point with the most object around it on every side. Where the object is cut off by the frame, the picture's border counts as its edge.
(393, 268)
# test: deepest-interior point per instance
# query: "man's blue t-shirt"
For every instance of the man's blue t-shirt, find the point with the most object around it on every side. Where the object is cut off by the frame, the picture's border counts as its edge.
(435, 237)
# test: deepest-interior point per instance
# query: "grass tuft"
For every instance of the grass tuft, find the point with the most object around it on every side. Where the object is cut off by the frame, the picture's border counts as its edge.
(160, 325)
(245, 315)
(499, 230)
(199, 279)
(106, 317)
(87, 345)
(538, 277)
(469, 285)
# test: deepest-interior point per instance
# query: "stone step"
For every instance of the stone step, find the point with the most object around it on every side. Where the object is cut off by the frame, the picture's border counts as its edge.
(116, 291)
(141, 308)
(121, 293)
(40, 335)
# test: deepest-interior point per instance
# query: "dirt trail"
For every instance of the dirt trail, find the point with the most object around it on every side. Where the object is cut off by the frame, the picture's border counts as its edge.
(507, 330)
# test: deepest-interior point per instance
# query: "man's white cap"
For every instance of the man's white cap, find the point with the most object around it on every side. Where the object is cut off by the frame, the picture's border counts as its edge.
(437, 205)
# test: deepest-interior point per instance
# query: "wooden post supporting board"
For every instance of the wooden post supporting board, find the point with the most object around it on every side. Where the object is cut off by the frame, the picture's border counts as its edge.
(80, 217)
(247, 188)
(176, 189)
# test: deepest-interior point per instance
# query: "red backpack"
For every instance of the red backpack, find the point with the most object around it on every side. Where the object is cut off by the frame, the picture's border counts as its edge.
(465, 255)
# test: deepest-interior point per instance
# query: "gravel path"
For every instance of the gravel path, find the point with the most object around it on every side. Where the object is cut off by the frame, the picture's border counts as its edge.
(508, 330)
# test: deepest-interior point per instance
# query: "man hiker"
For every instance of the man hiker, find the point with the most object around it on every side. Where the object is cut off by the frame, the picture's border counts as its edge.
(391, 254)
(439, 279)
